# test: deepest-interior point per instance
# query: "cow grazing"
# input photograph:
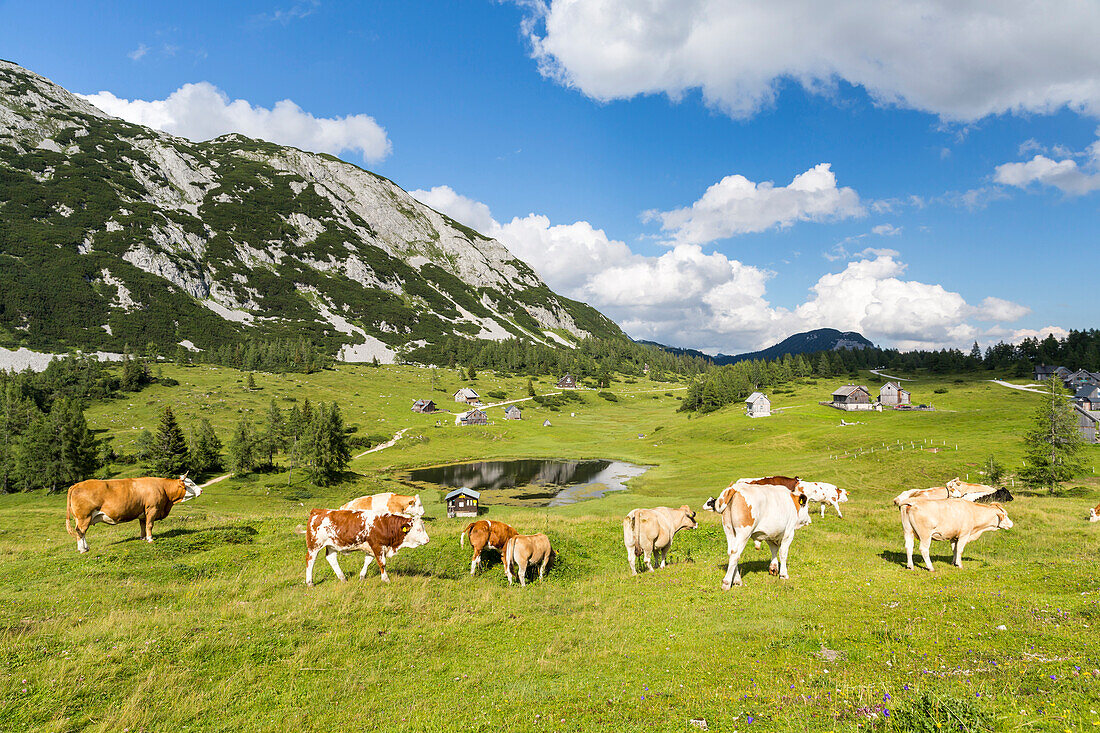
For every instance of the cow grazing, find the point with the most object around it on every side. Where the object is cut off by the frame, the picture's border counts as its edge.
(956, 520)
(978, 493)
(123, 500)
(647, 532)
(818, 491)
(387, 502)
(380, 536)
(1094, 514)
(526, 550)
(766, 512)
(486, 533)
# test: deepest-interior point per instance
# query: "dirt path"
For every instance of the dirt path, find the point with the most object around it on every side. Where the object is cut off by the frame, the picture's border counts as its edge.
(388, 444)
(877, 373)
(215, 480)
(1017, 386)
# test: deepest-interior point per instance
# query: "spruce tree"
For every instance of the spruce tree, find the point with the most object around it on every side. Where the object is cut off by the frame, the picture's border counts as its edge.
(1053, 442)
(530, 388)
(77, 449)
(206, 449)
(251, 381)
(168, 457)
(242, 448)
(273, 438)
(326, 446)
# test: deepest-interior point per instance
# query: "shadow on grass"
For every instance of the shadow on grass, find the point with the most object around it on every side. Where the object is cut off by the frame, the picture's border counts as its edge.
(898, 558)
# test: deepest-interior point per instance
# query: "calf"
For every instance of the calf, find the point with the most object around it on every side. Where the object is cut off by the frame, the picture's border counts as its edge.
(343, 530)
(650, 531)
(818, 491)
(953, 519)
(766, 512)
(388, 502)
(525, 550)
(124, 500)
(486, 533)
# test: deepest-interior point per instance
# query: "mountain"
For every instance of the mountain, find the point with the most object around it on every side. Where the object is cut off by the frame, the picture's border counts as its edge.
(808, 342)
(113, 234)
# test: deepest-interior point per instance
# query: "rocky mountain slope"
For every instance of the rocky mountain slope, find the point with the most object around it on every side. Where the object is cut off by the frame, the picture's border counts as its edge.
(113, 233)
(807, 342)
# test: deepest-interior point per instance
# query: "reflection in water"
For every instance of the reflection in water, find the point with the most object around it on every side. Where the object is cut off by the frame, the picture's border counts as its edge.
(533, 482)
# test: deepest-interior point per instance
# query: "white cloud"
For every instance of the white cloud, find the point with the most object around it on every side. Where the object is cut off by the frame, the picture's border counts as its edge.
(961, 61)
(886, 230)
(1065, 175)
(202, 111)
(736, 205)
(688, 297)
(138, 52)
(1020, 334)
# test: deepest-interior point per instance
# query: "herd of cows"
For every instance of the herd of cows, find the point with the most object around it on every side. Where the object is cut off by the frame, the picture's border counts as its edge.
(767, 509)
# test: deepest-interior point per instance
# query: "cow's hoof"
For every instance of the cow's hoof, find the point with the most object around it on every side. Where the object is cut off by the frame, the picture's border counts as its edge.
(773, 569)
(908, 567)
(725, 585)
(784, 576)
(309, 585)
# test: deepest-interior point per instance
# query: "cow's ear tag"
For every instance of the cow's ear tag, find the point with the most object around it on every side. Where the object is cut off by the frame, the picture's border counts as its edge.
(802, 501)
(405, 528)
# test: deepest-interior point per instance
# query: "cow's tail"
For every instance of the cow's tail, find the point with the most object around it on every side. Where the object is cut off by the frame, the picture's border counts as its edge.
(69, 512)
(630, 534)
(509, 551)
(462, 537)
(300, 529)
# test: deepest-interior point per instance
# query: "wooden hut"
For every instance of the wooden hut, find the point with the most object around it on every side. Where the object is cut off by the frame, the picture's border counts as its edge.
(567, 382)
(462, 503)
(513, 413)
(1044, 372)
(424, 406)
(473, 417)
(1088, 423)
(893, 394)
(852, 397)
(468, 396)
(758, 405)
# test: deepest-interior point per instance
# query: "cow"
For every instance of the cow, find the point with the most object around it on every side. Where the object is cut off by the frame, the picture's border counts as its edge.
(1094, 514)
(344, 530)
(123, 500)
(979, 493)
(936, 492)
(953, 519)
(647, 532)
(388, 502)
(526, 550)
(486, 533)
(768, 512)
(818, 491)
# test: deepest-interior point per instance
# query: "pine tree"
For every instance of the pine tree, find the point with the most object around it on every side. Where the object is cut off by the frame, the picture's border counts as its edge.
(242, 448)
(326, 449)
(168, 457)
(273, 438)
(251, 381)
(1053, 442)
(530, 388)
(206, 449)
(36, 455)
(77, 449)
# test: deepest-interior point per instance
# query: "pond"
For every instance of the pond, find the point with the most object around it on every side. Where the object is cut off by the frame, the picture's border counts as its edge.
(532, 482)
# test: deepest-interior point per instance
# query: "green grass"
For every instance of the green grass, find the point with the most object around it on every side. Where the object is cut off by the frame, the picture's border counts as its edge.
(211, 627)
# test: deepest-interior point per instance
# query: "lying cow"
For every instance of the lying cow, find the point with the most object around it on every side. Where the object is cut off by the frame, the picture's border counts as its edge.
(647, 532)
(953, 519)
(936, 492)
(1094, 514)
(526, 550)
(979, 493)
(123, 500)
(343, 530)
(486, 533)
(818, 491)
(388, 502)
(767, 512)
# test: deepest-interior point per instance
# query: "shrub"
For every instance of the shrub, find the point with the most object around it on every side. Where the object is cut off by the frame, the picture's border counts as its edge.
(497, 394)
(609, 396)
(940, 390)
(931, 713)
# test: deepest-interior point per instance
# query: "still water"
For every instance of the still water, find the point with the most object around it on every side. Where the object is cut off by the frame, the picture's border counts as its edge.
(532, 482)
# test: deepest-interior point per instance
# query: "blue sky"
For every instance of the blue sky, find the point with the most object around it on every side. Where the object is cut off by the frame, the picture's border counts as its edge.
(948, 191)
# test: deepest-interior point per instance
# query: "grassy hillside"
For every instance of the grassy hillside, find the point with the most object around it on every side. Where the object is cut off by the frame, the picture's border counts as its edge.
(211, 627)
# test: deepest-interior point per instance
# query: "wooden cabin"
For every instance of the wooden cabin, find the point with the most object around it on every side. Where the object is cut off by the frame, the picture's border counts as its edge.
(1044, 372)
(473, 417)
(513, 413)
(462, 503)
(758, 405)
(852, 397)
(424, 406)
(1088, 423)
(893, 394)
(567, 382)
(1088, 397)
(468, 396)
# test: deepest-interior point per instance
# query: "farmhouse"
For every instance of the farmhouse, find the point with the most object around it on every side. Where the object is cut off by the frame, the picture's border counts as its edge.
(424, 406)
(758, 405)
(513, 413)
(462, 503)
(1088, 397)
(1088, 422)
(1044, 372)
(567, 382)
(468, 396)
(852, 397)
(892, 394)
(473, 417)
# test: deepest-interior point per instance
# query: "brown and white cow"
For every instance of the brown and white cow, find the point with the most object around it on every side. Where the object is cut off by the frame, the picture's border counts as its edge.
(486, 533)
(1094, 514)
(380, 536)
(768, 512)
(647, 532)
(123, 500)
(956, 520)
(818, 491)
(526, 550)
(387, 502)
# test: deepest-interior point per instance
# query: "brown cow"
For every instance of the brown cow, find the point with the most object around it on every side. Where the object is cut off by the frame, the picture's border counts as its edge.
(526, 550)
(486, 533)
(378, 535)
(124, 500)
(956, 520)
(387, 502)
(1094, 514)
(649, 532)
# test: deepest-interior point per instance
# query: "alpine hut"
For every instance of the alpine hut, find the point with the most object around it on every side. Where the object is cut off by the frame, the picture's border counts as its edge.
(852, 397)
(462, 503)
(473, 417)
(893, 394)
(424, 406)
(468, 396)
(567, 382)
(513, 413)
(758, 405)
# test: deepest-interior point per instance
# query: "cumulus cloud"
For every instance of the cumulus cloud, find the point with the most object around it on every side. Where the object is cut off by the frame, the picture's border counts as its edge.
(736, 205)
(202, 111)
(1065, 175)
(886, 230)
(688, 297)
(961, 61)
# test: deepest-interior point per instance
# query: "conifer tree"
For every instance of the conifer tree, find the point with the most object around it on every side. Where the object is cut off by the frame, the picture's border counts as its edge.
(273, 438)
(326, 449)
(168, 456)
(206, 449)
(37, 455)
(242, 448)
(77, 449)
(530, 388)
(1053, 442)
(251, 381)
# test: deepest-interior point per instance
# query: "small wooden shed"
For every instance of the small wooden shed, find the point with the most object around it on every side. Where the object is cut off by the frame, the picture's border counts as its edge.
(567, 382)
(424, 406)
(1088, 423)
(852, 397)
(758, 405)
(473, 417)
(468, 396)
(513, 413)
(893, 394)
(462, 503)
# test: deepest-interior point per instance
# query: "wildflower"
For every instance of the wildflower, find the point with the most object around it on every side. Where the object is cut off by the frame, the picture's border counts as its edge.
(749, 720)
(886, 697)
